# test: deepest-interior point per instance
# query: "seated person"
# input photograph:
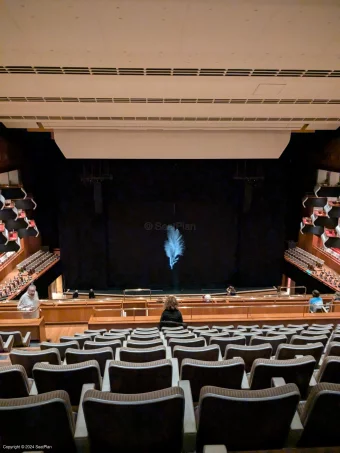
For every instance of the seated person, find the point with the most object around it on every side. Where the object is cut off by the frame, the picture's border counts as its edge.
(231, 291)
(75, 295)
(171, 312)
(207, 298)
(315, 302)
(29, 302)
(91, 294)
(337, 296)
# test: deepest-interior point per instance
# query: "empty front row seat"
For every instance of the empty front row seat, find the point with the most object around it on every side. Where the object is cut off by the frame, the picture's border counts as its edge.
(290, 351)
(101, 355)
(298, 371)
(29, 358)
(70, 378)
(320, 416)
(14, 382)
(198, 342)
(207, 353)
(38, 420)
(329, 370)
(6, 346)
(19, 340)
(248, 353)
(145, 423)
(223, 342)
(140, 355)
(223, 373)
(114, 345)
(60, 346)
(129, 378)
(245, 420)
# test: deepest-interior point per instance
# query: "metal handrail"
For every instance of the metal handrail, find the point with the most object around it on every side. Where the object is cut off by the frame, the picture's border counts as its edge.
(136, 290)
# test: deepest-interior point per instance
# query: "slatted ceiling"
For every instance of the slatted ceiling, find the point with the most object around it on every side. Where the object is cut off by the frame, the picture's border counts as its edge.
(157, 118)
(169, 100)
(202, 72)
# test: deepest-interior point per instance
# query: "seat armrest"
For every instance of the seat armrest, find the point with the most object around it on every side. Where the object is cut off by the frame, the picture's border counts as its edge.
(168, 354)
(312, 382)
(214, 449)
(189, 422)
(245, 383)
(175, 372)
(33, 390)
(299, 356)
(296, 429)
(27, 339)
(8, 345)
(125, 344)
(117, 355)
(106, 378)
(80, 434)
(278, 382)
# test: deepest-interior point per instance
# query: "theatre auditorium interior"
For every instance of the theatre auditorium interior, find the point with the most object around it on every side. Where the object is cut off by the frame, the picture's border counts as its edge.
(170, 226)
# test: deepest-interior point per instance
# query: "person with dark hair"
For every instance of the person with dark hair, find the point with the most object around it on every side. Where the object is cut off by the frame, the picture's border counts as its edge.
(171, 312)
(75, 295)
(337, 297)
(231, 291)
(91, 294)
(315, 302)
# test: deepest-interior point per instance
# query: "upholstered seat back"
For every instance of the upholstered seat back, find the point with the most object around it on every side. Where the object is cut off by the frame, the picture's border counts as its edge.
(329, 370)
(38, 420)
(101, 355)
(289, 351)
(333, 348)
(297, 371)
(274, 341)
(28, 359)
(79, 338)
(18, 339)
(223, 342)
(248, 353)
(144, 337)
(144, 344)
(107, 338)
(14, 382)
(114, 344)
(320, 416)
(70, 378)
(302, 339)
(198, 342)
(207, 353)
(224, 373)
(127, 377)
(246, 420)
(139, 355)
(60, 346)
(143, 423)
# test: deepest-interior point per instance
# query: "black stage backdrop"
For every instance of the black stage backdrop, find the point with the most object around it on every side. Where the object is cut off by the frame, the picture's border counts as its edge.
(232, 228)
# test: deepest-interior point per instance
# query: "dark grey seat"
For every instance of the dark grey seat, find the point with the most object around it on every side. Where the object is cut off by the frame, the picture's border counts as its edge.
(14, 382)
(322, 326)
(314, 333)
(96, 331)
(222, 328)
(146, 331)
(329, 370)
(297, 371)
(297, 327)
(60, 346)
(119, 331)
(274, 341)
(101, 355)
(333, 348)
(173, 328)
(38, 420)
(6, 346)
(206, 327)
(236, 332)
(135, 423)
(223, 342)
(129, 378)
(79, 338)
(187, 336)
(249, 328)
(109, 338)
(19, 340)
(70, 378)
(248, 353)
(272, 326)
(223, 373)
(245, 420)
(198, 342)
(155, 336)
(288, 333)
(320, 416)
(207, 353)
(114, 345)
(290, 351)
(300, 339)
(28, 359)
(92, 335)
(140, 355)
(249, 335)
(207, 335)
(144, 344)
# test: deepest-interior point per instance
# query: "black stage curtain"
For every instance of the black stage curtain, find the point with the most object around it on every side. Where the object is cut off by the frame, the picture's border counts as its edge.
(233, 229)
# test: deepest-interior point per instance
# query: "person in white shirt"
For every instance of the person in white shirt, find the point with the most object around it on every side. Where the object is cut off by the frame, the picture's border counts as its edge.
(29, 302)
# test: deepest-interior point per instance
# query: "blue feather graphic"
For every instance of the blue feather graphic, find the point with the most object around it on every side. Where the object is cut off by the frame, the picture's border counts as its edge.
(174, 245)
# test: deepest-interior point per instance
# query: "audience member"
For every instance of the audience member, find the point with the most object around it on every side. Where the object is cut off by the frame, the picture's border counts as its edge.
(206, 298)
(315, 302)
(29, 302)
(231, 291)
(91, 294)
(337, 296)
(171, 312)
(75, 295)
